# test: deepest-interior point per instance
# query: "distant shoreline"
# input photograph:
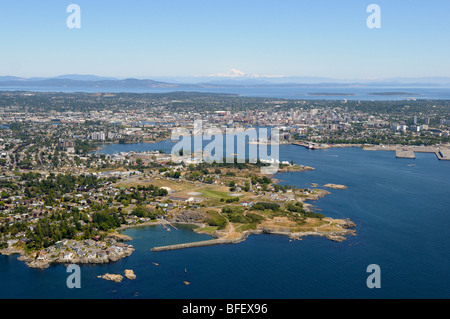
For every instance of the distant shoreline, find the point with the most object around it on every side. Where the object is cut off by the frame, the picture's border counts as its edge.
(393, 94)
(332, 94)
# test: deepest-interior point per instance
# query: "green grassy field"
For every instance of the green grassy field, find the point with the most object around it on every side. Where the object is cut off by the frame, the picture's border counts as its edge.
(214, 194)
(208, 230)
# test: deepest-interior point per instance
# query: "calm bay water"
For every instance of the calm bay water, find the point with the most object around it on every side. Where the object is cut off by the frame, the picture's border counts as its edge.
(332, 92)
(401, 212)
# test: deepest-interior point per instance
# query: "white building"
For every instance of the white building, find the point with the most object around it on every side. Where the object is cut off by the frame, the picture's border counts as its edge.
(98, 136)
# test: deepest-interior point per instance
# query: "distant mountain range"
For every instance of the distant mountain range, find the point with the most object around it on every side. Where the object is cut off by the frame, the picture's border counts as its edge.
(81, 81)
(232, 78)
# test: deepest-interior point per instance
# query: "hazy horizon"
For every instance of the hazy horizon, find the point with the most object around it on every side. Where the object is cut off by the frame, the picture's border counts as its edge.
(242, 77)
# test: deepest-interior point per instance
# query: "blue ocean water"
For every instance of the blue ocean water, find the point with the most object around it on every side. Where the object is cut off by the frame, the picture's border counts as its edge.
(299, 92)
(402, 216)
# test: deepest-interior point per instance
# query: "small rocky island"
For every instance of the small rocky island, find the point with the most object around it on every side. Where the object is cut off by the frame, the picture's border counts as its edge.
(335, 186)
(129, 274)
(111, 277)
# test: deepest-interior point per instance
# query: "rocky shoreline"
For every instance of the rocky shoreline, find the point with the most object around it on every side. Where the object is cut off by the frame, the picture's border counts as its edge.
(337, 236)
(73, 252)
(295, 168)
(113, 249)
(335, 186)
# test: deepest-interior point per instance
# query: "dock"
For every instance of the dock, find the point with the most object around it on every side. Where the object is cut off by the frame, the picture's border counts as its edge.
(312, 146)
(165, 222)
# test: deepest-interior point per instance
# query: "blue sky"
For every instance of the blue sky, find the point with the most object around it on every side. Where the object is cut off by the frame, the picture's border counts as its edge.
(183, 38)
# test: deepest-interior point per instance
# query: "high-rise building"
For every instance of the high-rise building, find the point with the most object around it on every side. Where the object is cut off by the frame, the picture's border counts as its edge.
(98, 136)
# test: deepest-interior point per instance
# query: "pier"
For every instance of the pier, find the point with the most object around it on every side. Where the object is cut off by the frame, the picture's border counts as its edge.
(165, 222)
(311, 145)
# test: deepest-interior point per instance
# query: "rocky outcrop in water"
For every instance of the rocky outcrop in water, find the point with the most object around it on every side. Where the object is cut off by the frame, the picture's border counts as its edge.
(347, 223)
(335, 186)
(129, 274)
(111, 277)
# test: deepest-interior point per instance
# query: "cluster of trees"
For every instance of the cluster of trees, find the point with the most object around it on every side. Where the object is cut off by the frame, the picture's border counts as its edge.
(63, 225)
(298, 208)
(216, 219)
(140, 194)
(295, 208)
(141, 211)
(57, 184)
(84, 147)
(232, 200)
(13, 229)
(283, 188)
(106, 221)
(153, 190)
(200, 172)
(8, 185)
(173, 174)
(46, 233)
(295, 212)
(236, 215)
(71, 223)
(266, 206)
(261, 180)
(233, 186)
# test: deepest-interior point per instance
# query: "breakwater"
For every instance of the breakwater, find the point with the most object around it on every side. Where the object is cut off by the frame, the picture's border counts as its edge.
(198, 244)
(442, 153)
(334, 236)
(221, 241)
